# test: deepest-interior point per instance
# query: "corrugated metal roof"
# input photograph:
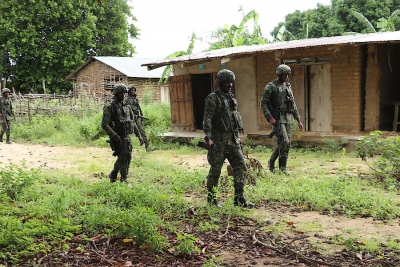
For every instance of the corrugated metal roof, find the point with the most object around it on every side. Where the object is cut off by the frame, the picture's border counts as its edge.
(130, 66)
(381, 37)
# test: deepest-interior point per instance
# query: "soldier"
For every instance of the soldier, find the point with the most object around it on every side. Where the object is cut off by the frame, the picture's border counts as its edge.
(118, 122)
(6, 111)
(221, 124)
(133, 101)
(278, 106)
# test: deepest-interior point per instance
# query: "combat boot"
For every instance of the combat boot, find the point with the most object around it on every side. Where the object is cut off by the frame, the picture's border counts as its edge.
(239, 199)
(124, 179)
(282, 165)
(271, 161)
(1, 138)
(113, 176)
(212, 197)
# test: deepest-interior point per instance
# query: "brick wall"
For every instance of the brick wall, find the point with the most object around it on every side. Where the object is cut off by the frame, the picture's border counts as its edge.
(347, 81)
(92, 80)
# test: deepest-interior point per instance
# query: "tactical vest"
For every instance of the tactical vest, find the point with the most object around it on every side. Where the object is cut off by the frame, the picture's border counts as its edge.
(122, 117)
(134, 103)
(284, 101)
(226, 117)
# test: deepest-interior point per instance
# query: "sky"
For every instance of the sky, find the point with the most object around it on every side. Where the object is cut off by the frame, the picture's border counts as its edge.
(166, 26)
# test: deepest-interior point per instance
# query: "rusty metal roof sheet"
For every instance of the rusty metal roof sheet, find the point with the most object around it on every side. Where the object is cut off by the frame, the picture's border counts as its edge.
(381, 37)
(130, 66)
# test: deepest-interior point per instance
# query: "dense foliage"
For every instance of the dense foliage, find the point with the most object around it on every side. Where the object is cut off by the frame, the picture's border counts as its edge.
(47, 39)
(338, 18)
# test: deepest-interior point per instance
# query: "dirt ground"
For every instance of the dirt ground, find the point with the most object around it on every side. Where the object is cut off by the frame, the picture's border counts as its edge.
(319, 227)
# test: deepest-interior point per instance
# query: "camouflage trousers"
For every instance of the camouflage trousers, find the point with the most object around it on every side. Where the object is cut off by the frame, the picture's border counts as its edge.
(142, 131)
(124, 157)
(282, 149)
(6, 128)
(216, 158)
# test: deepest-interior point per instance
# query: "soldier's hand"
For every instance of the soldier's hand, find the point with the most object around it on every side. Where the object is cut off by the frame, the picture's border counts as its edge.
(300, 125)
(272, 121)
(117, 139)
(209, 144)
(141, 140)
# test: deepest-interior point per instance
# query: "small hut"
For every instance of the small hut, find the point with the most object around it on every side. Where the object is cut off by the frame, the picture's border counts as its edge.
(97, 75)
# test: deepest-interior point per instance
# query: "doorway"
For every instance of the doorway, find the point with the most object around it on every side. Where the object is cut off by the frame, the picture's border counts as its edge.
(202, 86)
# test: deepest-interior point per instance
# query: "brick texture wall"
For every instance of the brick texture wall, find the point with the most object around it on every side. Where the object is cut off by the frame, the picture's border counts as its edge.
(347, 82)
(96, 77)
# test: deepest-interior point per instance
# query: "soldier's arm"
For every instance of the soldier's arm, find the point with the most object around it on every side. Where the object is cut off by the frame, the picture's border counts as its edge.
(209, 109)
(106, 120)
(265, 99)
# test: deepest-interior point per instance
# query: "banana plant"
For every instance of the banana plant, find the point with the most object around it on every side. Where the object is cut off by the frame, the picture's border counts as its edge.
(168, 69)
(384, 25)
(231, 36)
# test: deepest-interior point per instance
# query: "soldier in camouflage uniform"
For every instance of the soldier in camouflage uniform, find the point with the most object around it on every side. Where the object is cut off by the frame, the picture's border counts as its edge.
(6, 112)
(119, 123)
(221, 124)
(277, 104)
(133, 101)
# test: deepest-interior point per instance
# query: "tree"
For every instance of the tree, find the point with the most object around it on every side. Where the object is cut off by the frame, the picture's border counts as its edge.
(371, 9)
(383, 25)
(48, 39)
(313, 23)
(230, 36)
(334, 19)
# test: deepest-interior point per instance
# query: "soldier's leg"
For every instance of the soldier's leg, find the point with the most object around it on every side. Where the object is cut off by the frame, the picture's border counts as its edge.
(275, 154)
(143, 134)
(285, 146)
(127, 156)
(8, 131)
(236, 159)
(216, 159)
(3, 130)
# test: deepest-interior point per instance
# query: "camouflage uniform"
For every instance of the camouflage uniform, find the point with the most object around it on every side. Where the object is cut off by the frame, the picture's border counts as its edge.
(222, 123)
(133, 101)
(6, 109)
(277, 100)
(118, 119)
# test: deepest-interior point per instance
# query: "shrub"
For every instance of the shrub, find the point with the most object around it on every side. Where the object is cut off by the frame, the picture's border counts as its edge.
(384, 152)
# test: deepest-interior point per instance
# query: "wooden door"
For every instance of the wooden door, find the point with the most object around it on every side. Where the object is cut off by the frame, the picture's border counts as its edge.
(180, 90)
(320, 98)
(299, 86)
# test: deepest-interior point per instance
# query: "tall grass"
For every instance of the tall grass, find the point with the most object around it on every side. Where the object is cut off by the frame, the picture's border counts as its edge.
(81, 129)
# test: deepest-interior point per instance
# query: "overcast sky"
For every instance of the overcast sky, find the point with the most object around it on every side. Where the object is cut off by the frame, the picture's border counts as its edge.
(166, 26)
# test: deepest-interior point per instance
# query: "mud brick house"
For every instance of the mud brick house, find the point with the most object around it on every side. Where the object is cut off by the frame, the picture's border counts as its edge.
(97, 75)
(342, 84)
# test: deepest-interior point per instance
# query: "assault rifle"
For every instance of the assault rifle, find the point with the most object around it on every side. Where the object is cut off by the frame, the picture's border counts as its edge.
(140, 117)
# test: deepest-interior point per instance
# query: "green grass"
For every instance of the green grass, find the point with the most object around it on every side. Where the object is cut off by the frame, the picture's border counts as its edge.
(46, 208)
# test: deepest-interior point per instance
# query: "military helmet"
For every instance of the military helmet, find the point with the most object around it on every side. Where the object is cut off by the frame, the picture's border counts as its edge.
(225, 75)
(5, 90)
(130, 87)
(283, 69)
(119, 88)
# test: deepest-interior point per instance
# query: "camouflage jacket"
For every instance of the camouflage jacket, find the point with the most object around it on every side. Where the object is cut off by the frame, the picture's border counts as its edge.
(133, 101)
(222, 119)
(6, 107)
(119, 119)
(278, 98)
